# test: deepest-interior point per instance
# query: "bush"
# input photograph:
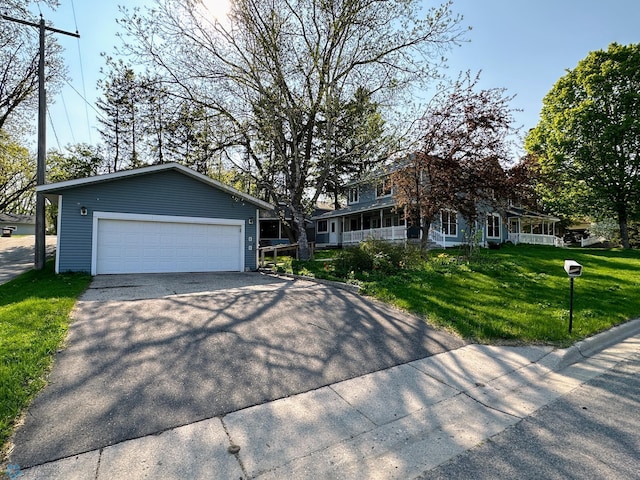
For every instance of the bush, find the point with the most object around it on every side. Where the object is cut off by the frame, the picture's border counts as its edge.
(377, 256)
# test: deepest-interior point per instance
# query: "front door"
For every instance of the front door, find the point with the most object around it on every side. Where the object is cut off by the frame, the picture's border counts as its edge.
(334, 232)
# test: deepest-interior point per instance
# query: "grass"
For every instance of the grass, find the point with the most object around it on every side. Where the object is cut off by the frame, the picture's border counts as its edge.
(34, 316)
(518, 294)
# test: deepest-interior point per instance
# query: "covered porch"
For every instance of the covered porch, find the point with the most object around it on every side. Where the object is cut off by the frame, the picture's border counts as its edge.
(383, 223)
(532, 228)
(352, 228)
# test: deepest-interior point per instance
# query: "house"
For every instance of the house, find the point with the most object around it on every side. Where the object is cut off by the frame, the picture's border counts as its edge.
(18, 224)
(371, 213)
(274, 230)
(156, 219)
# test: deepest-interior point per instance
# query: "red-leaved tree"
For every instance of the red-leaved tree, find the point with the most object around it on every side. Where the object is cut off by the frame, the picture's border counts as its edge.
(464, 141)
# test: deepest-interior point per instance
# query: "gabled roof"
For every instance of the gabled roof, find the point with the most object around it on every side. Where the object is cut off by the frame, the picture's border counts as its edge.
(522, 212)
(59, 187)
(383, 202)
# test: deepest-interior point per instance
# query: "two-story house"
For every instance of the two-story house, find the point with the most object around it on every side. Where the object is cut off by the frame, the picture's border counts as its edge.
(371, 213)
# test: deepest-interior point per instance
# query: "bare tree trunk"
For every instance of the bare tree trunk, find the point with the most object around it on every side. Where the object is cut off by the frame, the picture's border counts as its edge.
(303, 243)
(425, 227)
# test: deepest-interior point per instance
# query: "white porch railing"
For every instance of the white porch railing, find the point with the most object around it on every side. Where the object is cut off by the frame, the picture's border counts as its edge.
(388, 233)
(437, 237)
(535, 239)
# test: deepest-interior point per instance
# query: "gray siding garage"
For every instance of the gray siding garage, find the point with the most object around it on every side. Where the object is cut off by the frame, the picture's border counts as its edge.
(18, 224)
(164, 218)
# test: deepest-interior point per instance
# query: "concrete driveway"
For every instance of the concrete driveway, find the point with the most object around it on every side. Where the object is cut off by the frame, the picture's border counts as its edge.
(17, 254)
(147, 353)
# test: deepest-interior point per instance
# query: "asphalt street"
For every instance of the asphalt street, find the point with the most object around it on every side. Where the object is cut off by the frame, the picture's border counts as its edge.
(147, 353)
(590, 433)
(17, 255)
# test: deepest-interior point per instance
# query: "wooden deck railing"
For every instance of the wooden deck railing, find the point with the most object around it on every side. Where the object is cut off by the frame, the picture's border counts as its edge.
(275, 249)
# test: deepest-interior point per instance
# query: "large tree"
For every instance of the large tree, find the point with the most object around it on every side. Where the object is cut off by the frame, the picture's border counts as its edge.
(19, 57)
(464, 141)
(588, 139)
(121, 123)
(78, 161)
(352, 140)
(17, 176)
(274, 71)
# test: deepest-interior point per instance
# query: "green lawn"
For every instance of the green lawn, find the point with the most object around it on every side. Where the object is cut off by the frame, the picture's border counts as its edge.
(34, 316)
(516, 294)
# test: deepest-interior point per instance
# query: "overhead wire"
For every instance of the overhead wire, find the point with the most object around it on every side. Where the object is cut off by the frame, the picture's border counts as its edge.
(55, 134)
(84, 88)
(85, 100)
(66, 112)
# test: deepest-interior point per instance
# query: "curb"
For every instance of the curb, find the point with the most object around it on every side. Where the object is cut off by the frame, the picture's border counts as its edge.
(560, 359)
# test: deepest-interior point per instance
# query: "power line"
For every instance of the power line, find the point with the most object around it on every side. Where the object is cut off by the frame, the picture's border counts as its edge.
(54, 129)
(85, 100)
(40, 248)
(66, 113)
(84, 91)
(84, 86)
(73, 9)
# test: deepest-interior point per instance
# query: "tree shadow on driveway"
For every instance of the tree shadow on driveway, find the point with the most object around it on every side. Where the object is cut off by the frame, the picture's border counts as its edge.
(149, 353)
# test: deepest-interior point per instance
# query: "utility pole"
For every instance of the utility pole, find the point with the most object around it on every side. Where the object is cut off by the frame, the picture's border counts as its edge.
(40, 247)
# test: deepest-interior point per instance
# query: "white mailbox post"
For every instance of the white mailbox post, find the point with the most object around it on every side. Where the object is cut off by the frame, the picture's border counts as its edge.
(573, 269)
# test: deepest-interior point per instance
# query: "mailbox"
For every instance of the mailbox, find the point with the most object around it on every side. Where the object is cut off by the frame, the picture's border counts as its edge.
(573, 268)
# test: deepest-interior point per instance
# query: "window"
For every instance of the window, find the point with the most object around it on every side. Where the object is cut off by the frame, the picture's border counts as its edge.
(493, 225)
(383, 189)
(388, 222)
(449, 223)
(322, 226)
(353, 195)
(269, 229)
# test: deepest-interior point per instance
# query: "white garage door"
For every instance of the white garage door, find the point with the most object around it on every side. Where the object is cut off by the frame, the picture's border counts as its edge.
(153, 246)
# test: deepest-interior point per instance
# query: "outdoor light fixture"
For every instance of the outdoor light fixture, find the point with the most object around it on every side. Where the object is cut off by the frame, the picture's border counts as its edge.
(573, 269)
(250, 220)
(83, 211)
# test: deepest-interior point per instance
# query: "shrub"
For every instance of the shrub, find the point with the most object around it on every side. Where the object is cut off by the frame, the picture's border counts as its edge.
(377, 256)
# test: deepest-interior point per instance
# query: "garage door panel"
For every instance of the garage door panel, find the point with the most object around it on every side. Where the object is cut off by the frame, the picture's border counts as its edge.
(134, 246)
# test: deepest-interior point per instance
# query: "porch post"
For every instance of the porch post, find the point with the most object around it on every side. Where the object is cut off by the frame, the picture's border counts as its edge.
(519, 229)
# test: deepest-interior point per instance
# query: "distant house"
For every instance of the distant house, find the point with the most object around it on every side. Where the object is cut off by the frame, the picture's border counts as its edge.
(157, 219)
(371, 212)
(18, 224)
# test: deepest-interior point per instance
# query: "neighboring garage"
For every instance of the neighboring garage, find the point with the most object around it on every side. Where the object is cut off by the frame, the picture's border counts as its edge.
(158, 219)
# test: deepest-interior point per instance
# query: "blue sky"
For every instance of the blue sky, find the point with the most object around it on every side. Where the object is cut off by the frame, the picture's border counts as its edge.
(524, 46)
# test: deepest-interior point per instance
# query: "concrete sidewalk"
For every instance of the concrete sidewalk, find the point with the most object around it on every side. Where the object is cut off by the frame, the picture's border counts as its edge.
(394, 423)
